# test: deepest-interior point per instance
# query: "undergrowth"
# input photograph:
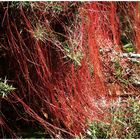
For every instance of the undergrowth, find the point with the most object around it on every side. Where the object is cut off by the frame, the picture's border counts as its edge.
(124, 121)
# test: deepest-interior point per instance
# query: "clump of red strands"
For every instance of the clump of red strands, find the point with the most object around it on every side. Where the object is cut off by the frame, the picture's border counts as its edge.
(57, 81)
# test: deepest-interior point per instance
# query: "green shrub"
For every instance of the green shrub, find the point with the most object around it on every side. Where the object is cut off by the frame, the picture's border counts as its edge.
(124, 122)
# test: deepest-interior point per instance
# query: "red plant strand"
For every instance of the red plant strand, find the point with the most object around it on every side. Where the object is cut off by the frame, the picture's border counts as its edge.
(94, 52)
(137, 26)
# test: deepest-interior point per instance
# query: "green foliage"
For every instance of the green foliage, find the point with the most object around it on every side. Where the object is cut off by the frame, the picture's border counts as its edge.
(118, 69)
(17, 4)
(124, 121)
(74, 56)
(40, 33)
(5, 88)
(128, 48)
(120, 72)
(55, 7)
(98, 130)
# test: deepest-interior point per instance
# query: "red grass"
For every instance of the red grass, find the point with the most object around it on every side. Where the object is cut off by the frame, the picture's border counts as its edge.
(137, 26)
(62, 93)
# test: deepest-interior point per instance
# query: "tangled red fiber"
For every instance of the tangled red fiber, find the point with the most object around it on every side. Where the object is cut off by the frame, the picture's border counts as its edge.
(60, 96)
(137, 27)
